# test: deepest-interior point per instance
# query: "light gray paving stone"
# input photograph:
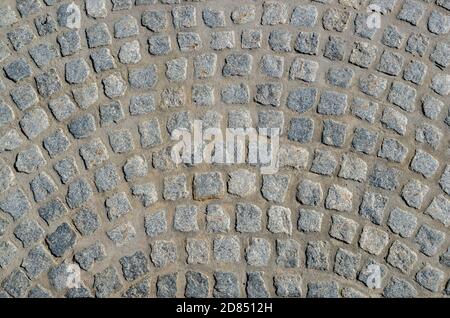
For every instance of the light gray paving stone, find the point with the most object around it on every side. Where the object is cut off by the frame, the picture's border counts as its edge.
(339, 198)
(213, 18)
(226, 285)
(66, 169)
(271, 65)
(323, 289)
(43, 54)
(353, 168)
(424, 163)
(439, 209)
(99, 106)
(48, 83)
(197, 285)
(163, 253)
(373, 240)
(123, 234)
(324, 162)
(346, 263)
(56, 143)
(93, 153)
(226, 249)
(279, 220)
(20, 37)
(251, 39)
(243, 14)
(335, 19)
(61, 240)
(15, 203)
(373, 206)
(96, 8)
(166, 285)
(30, 160)
(98, 35)
(52, 210)
(79, 192)
(309, 220)
(280, 41)
(10, 140)
(401, 256)
(37, 261)
(304, 16)
(28, 232)
(9, 16)
(6, 114)
(186, 218)
(302, 99)
(208, 186)
(69, 42)
(274, 13)
(258, 252)
(392, 37)
(384, 177)
(317, 255)
(399, 288)
(307, 43)
(363, 54)
(440, 54)
(248, 218)
(155, 223)
(134, 266)
(430, 278)
(76, 71)
(372, 85)
(16, 283)
(392, 150)
(441, 84)
(117, 205)
(402, 222)
(62, 107)
(34, 122)
(39, 292)
(364, 109)
(292, 156)
(222, 40)
(7, 254)
(429, 135)
(274, 187)
(6, 176)
(301, 129)
(189, 41)
(411, 12)
(343, 229)
(334, 48)
(256, 286)
(198, 253)
(106, 282)
(86, 221)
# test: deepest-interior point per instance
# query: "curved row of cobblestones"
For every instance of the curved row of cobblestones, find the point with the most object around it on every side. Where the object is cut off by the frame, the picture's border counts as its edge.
(88, 187)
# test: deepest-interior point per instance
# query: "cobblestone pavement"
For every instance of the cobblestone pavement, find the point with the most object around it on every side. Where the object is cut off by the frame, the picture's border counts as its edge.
(91, 203)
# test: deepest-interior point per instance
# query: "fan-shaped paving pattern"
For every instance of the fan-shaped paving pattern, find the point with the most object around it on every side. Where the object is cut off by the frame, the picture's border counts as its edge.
(86, 178)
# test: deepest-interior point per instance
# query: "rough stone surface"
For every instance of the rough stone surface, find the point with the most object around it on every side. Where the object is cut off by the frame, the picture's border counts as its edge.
(372, 207)
(94, 119)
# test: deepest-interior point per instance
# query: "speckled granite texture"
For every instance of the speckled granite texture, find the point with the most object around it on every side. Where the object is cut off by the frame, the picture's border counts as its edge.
(92, 204)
